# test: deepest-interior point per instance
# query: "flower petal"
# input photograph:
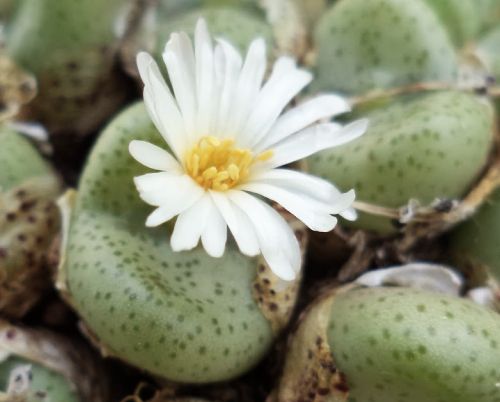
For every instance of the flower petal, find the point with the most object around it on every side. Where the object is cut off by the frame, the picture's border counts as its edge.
(214, 234)
(177, 204)
(313, 214)
(238, 224)
(277, 242)
(272, 99)
(248, 86)
(312, 187)
(153, 156)
(314, 139)
(161, 106)
(232, 68)
(190, 225)
(154, 189)
(299, 182)
(300, 117)
(207, 99)
(179, 59)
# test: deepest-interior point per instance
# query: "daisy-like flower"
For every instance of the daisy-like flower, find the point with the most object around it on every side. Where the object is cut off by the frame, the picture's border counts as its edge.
(228, 139)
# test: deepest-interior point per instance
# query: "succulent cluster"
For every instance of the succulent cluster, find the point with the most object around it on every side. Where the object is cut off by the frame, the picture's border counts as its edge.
(198, 328)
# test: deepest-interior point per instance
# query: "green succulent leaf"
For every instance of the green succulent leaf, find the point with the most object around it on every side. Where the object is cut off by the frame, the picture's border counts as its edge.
(421, 147)
(184, 316)
(364, 45)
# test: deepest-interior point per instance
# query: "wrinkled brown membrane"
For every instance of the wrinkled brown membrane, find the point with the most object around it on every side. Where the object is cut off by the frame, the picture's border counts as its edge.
(28, 221)
(71, 359)
(310, 373)
(17, 87)
(276, 298)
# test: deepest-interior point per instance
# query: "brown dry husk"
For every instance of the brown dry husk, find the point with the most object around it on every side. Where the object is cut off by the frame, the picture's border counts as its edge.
(17, 87)
(310, 373)
(70, 358)
(29, 217)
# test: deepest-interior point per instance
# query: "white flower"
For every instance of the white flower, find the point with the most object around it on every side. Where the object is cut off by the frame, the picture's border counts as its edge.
(228, 137)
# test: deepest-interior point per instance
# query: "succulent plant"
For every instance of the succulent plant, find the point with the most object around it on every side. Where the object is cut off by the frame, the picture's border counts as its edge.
(235, 21)
(237, 24)
(364, 45)
(38, 365)
(421, 147)
(184, 316)
(71, 48)
(28, 222)
(393, 344)
(462, 18)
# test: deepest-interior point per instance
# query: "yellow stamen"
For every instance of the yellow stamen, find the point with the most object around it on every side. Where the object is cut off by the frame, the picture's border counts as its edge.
(218, 165)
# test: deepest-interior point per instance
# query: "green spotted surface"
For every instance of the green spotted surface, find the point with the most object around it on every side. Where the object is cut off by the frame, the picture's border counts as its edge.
(54, 385)
(424, 147)
(461, 17)
(70, 46)
(238, 25)
(19, 160)
(184, 316)
(404, 345)
(369, 44)
(477, 240)
(58, 28)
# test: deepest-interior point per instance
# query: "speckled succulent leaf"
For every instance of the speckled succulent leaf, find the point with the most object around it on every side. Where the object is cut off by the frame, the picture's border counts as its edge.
(414, 346)
(419, 147)
(28, 222)
(461, 18)
(236, 24)
(70, 46)
(475, 242)
(371, 44)
(19, 160)
(52, 385)
(184, 316)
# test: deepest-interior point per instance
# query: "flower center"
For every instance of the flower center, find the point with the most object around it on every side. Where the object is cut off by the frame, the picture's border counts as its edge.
(217, 164)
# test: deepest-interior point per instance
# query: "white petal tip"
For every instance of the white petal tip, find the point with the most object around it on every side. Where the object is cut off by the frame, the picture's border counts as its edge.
(151, 223)
(201, 24)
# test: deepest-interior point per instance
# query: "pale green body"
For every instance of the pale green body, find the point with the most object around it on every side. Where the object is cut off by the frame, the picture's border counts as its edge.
(70, 46)
(423, 148)
(184, 316)
(237, 25)
(19, 160)
(371, 44)
(404, 345)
